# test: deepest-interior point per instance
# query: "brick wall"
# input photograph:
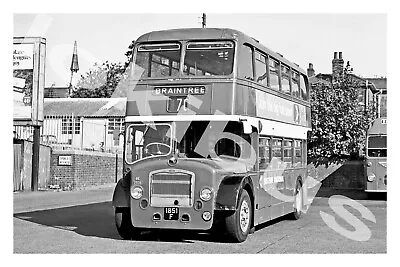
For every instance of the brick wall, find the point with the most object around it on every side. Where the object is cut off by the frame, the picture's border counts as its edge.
(87, 169)
(348, 175)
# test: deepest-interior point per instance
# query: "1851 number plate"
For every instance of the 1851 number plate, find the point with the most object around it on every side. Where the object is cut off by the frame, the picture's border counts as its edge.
(171, 213)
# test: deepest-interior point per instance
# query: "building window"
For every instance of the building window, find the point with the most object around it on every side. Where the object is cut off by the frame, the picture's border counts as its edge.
(115, 124)
(69, 126)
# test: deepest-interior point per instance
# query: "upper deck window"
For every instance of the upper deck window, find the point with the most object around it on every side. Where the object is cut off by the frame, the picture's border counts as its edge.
(303, 88)
(273, 74)
(285, 71)
(261, 68)
(209, 58)
(295, 84)
(158, 60)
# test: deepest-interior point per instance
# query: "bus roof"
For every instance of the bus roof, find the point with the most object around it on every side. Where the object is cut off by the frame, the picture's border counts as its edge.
(212, 34)
(378, 126)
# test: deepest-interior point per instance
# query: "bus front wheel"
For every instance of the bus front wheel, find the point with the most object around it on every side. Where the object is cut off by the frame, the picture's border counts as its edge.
(124, 225)
(238, 224)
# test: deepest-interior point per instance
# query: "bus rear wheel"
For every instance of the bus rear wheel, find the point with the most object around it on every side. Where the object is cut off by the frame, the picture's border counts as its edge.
(298, 202)
(238, 224)
(124, 224)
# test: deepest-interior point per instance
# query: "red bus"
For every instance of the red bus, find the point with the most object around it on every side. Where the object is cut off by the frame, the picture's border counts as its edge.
(215, 135)
(376, 157)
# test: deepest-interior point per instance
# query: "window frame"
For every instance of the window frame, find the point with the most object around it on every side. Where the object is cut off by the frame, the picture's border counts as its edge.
(70, 125)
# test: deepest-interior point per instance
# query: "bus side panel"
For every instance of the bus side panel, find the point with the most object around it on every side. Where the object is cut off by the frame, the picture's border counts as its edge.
(228, 192)
(245, 99)
(222, 98)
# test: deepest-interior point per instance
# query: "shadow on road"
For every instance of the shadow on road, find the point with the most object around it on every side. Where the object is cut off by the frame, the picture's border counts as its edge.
(350, 193)
(97, 220)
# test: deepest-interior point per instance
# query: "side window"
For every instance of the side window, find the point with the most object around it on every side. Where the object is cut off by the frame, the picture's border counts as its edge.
(261, 68)
(288, 152)
(274, 74)
(297, 153)
(295, 84)
(277, 148)
(285, 72)
(247, 66)
(264, 152)
(303, 88)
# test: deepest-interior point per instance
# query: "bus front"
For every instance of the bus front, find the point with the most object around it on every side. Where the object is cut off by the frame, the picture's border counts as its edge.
(376, 160)
(173, 147)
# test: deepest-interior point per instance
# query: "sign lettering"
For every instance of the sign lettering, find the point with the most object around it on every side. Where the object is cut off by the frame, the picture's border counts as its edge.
(180, 91)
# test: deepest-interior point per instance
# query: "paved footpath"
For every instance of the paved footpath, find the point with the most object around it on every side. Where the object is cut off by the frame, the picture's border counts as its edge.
(42, 200)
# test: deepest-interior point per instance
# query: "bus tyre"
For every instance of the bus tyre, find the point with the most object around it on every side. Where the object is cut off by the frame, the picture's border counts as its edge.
(124, 225)
(298, 201)
(238, 224)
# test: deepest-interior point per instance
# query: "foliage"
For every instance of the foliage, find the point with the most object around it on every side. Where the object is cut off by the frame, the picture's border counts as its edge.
(105, 80)
(339, 121)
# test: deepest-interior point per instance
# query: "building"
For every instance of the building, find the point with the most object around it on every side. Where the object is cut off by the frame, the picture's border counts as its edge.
(56, 92)
(81, 123)
(381, 85)
(369, 93)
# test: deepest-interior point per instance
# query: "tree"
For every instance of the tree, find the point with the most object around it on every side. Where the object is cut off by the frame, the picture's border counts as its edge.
(103, 79)
(339, 122)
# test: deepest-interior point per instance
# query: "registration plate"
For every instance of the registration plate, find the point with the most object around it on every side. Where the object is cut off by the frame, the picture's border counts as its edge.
(171, 213)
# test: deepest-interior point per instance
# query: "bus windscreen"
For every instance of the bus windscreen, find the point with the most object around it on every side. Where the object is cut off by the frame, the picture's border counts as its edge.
(377, 146)
(157, 60)
(377, 142)
(209, 58)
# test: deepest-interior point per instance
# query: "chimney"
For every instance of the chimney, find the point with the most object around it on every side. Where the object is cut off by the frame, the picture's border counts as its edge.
(337, 67)
(310, 70)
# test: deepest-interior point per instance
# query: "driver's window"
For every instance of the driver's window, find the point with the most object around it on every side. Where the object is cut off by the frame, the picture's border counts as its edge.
(147, 140)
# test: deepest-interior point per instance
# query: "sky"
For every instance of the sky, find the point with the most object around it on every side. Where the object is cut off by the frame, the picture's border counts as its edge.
(302, 38)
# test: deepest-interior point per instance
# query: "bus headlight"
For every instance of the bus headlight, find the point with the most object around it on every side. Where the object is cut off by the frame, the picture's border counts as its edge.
(205, 194)
(136, 192)
(371, 178)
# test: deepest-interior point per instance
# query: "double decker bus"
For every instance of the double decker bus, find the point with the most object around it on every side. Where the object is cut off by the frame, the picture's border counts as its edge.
(376, 157)
(215, 135)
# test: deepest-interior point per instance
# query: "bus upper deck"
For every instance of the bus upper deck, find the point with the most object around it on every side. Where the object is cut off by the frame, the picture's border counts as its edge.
(209, 71)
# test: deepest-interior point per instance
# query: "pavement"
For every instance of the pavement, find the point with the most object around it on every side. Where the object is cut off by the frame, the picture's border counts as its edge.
(26, 201)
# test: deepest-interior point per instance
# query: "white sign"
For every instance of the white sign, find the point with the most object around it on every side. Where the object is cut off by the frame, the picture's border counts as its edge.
(21, 110)
(19, 83)
(23, 57)
(65, 160)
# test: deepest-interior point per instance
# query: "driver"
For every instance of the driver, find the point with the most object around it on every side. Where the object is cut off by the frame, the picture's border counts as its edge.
(156, 141)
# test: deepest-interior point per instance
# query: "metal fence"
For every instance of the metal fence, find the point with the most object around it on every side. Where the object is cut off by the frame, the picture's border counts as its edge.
(77, 133)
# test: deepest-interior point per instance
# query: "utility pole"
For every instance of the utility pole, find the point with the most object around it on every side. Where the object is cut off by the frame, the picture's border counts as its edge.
(204, 20)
